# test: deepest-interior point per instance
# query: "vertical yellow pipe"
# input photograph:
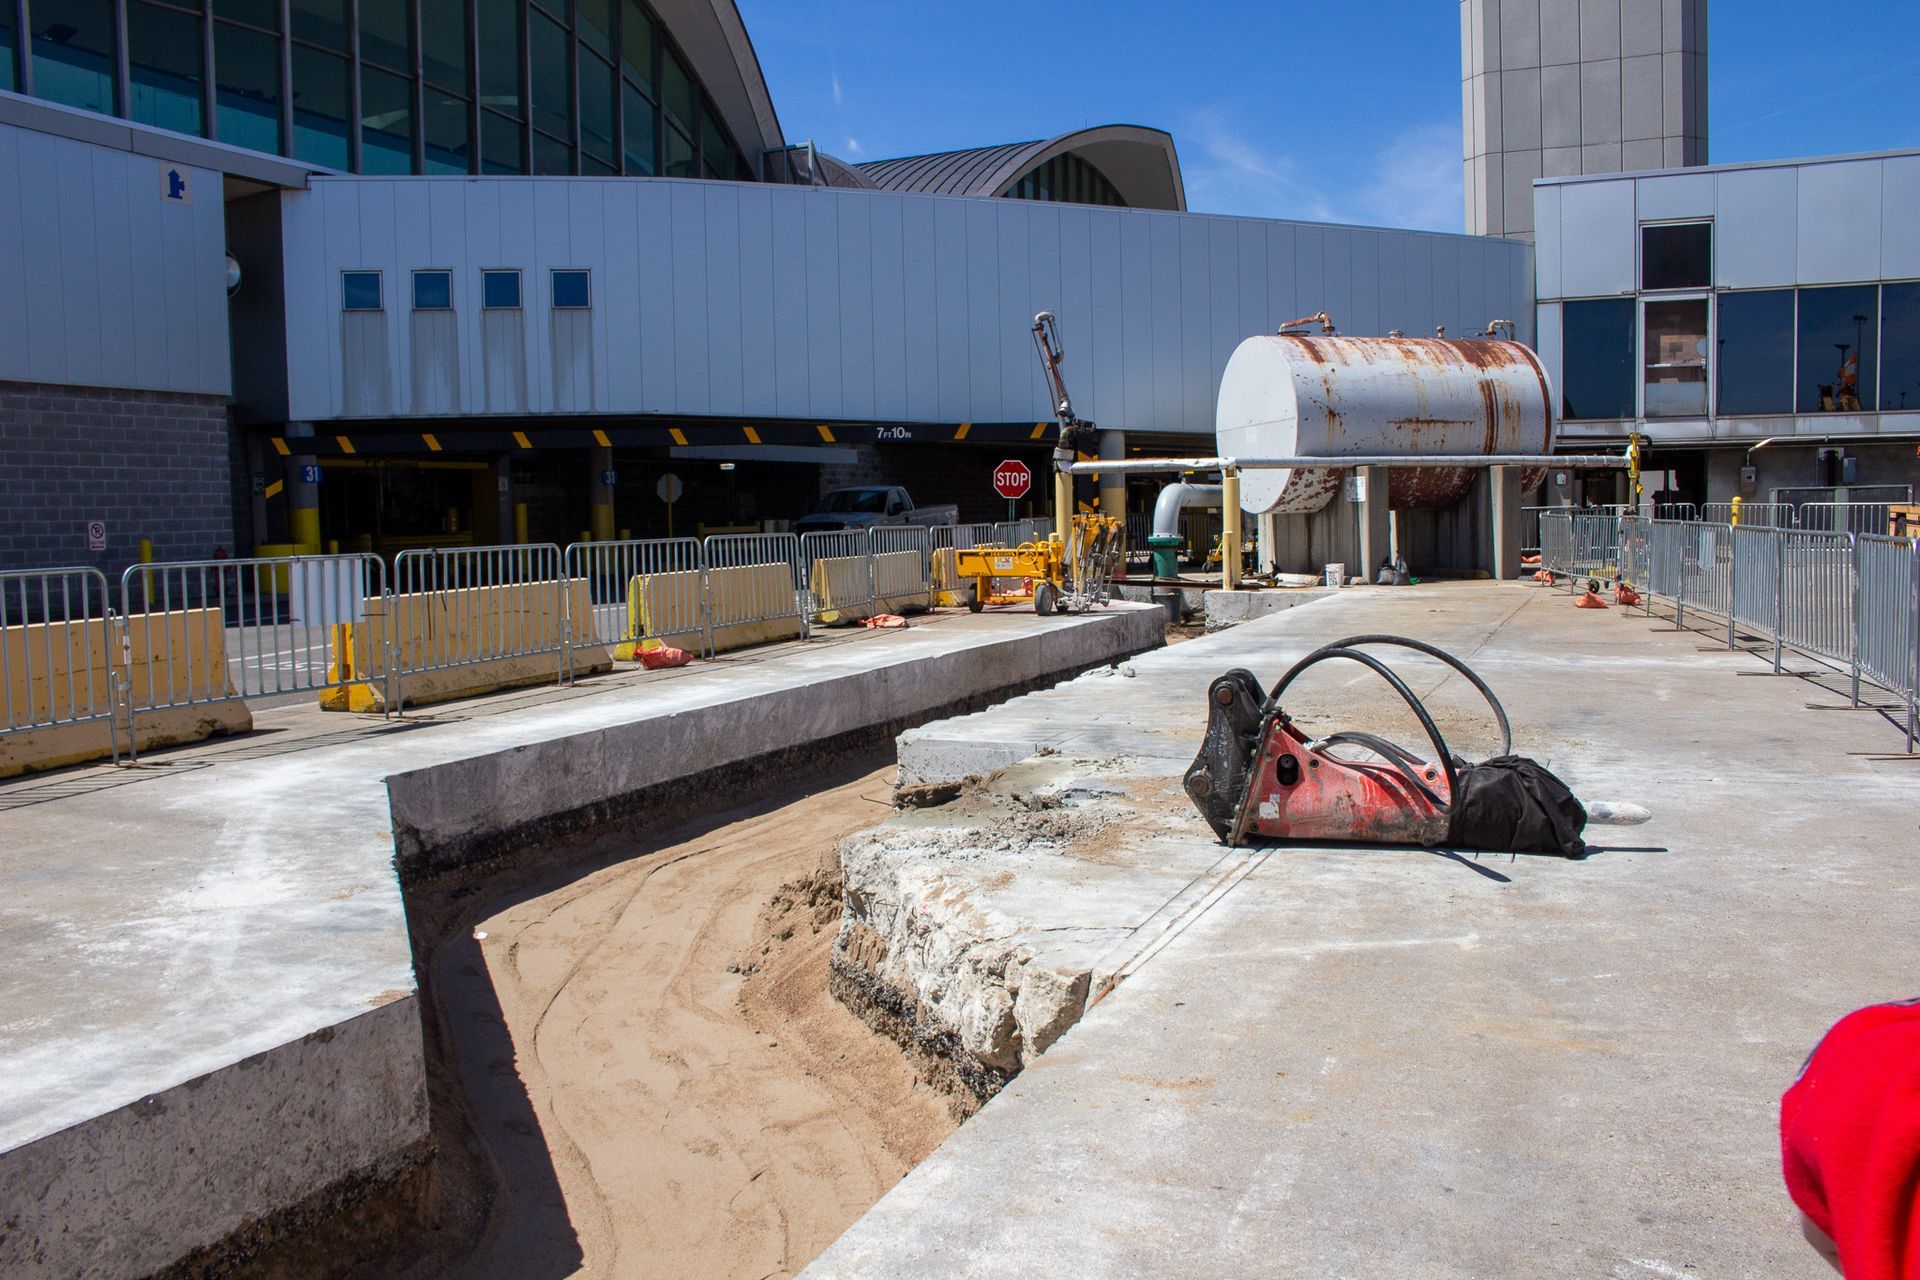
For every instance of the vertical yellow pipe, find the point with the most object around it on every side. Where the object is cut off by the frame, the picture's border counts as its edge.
(1230, 538)
(520, 522)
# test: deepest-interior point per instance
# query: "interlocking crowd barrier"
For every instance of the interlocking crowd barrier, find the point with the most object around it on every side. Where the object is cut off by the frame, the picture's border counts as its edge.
(1852, 599)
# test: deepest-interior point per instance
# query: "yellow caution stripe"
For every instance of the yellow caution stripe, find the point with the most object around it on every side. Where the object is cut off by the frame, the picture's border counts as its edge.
(273, 490)
(346, 445)
(753, 437)
(1039, 429)
(961, 434)
(600, 438)
(679, 436)
(280, 447)
(431, 441)
(520, 438)
(826, 433)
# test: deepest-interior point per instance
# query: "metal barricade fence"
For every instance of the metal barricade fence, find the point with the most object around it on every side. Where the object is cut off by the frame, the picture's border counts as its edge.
(458, 606)
(638, 590)
(838, 570)
(766, 596)
(1758, 560)
(954, 536)
(60, 655)
(1887, 620)
(1842, 517)
(1816, 593)
(892, 541)
(1595, 545)
(203, 631)
(1556, 541)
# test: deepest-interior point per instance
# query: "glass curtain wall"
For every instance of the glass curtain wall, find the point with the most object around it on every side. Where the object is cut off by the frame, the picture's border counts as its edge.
(1597, 376)
(1754, 347)
(591, 87)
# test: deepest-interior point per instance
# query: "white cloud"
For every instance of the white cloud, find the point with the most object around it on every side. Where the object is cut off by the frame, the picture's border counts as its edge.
(853, 146)
(837, 99)
(1413, 180)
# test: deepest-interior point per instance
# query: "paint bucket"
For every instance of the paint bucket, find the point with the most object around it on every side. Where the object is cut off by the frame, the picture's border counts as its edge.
(1336, 575)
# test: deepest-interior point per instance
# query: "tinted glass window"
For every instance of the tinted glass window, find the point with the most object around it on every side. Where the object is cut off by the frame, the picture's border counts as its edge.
(679, 154)
(551, 156)
(260, 13)
(713, 142)
(321, 22)
(598, 110)
(445, 132)
(570, 289)
(500, 289)
(432, 290)
(1676, 257)
(320, 92)
(500, 145)
(443, 43)
(1675, 359)
(639, 137)
(676, 93)
(7, 46)
(360, 290)
(1837, 332)
(637, 39)
(246, 68)
(1754, 345)
(163, 52)
(386, 34)
(500, 58)
(1597, 362)
(1900, 347)
(386, 122)
(73, 53)
(593, 23)
(552, 86)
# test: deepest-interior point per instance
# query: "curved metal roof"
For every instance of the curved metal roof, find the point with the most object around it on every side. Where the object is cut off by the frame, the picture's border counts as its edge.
(1141, 163)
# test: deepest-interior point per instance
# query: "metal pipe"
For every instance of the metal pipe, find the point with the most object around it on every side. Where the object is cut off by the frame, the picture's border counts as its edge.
(1140, 466)
(1174, 497)
(1230, 531)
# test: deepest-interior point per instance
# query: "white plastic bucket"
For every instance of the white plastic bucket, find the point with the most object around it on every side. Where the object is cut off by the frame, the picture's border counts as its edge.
(1336, 575)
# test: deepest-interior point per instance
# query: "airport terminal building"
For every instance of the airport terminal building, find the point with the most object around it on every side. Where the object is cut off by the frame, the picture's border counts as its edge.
(290, 273)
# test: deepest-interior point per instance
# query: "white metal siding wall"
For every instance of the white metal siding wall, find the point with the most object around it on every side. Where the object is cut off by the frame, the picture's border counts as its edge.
(103, 284)
(725, 299)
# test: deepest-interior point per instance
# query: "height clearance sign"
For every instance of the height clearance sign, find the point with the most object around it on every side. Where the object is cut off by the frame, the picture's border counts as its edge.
(1012, 479)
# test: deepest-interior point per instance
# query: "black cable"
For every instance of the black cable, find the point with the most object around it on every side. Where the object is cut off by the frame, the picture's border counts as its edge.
(1420, 646)
(1407, 695)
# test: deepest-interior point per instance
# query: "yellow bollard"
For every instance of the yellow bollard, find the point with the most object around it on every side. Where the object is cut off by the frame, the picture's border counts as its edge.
(1734, 519)
(520, 522)
(1230, 539)
(146, 551)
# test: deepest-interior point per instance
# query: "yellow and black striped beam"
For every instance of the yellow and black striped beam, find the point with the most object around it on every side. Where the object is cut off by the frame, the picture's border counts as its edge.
(481, 437)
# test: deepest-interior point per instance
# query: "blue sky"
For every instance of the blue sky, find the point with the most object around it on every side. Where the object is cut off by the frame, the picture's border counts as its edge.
(1346, 111)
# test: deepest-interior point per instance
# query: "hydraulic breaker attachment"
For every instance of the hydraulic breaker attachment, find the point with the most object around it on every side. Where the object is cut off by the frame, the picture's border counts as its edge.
(1217, 780)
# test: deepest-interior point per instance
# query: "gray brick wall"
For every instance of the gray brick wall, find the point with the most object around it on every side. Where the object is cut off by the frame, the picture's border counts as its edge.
(151, 464)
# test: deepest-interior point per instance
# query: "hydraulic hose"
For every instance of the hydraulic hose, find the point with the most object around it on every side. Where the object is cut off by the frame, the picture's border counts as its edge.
(1386, 673)
(1419, 646)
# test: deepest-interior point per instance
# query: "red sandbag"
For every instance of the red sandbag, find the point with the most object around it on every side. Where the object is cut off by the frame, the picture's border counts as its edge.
(1625, 595)
(1590, 600)
(884, 620)
(655, 659)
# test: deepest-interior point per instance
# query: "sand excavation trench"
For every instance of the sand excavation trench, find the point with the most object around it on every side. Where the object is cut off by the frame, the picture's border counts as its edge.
(682, 1096)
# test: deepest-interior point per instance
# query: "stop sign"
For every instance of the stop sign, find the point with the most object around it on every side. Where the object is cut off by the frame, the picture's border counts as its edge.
(1012, 479)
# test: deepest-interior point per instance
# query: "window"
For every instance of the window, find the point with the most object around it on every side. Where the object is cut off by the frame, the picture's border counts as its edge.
(246, 66)
(321, 91)
(1754, 345)
(552, 86)
(164, 68)
(599, 110)
(1900, 346)
(1675, 358)
(677, 94)
(502, 141)
(321, 22)
(386, 35)
(500, 149)
(1838, 327)
(7, 45)
(570, 291)
(444, 130)
(639, 138)
(500, 290)
(593, 23)
(73, 53)
(443, 43)
(433, 291)
(637, 39)
(386, 122)
(679, 154)
(1679, 256)
(360, 290)
(1597, 342)
(260, 13)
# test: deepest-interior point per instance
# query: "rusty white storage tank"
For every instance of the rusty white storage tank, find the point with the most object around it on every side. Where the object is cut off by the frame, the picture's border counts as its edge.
(1291, 395)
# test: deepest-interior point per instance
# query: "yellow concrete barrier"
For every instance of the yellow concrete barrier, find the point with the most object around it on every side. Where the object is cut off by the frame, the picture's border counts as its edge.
(751, 591)
(897, 583)
(176, 656)
(452, 635)
(664, 609)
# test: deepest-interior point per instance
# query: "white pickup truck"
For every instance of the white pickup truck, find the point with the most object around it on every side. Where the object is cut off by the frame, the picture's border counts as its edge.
(871, 506)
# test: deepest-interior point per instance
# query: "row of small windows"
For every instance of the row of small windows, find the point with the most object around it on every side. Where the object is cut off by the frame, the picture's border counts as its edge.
(571, 290)
(1828, 349)
(1068, 179)
(590, 87)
